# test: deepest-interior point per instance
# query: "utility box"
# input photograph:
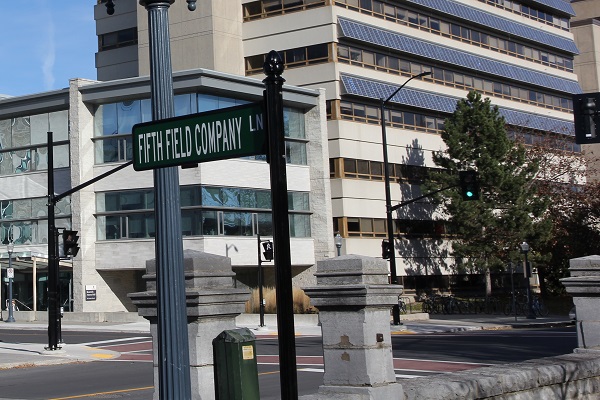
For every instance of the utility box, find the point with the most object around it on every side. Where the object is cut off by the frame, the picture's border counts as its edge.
(236, 371)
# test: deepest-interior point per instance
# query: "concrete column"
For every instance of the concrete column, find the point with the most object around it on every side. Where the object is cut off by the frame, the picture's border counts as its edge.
(213, 303)
(354, 301)
(584, 286)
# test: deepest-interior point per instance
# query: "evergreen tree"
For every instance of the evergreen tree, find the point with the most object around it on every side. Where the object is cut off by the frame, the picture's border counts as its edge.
(488, 231)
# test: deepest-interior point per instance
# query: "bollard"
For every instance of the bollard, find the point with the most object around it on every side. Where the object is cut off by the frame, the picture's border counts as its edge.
(236, 372)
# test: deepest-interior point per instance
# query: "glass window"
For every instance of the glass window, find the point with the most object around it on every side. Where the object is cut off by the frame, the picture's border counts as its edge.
(210, 223)
(299, 225)
(295, 153)
(293, 123)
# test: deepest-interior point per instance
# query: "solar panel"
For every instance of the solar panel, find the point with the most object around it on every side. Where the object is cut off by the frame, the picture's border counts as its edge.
(358, 86)
(435, 52)
(559, 5)
(499, 23)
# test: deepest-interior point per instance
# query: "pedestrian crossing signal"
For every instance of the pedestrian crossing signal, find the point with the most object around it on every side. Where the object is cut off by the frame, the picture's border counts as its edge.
(268, 250)
(70, 246)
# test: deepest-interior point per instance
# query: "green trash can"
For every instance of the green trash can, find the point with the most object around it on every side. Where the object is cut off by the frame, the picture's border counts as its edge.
(236, 372)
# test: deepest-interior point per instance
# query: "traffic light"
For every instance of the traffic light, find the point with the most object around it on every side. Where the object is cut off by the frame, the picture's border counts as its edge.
(386, 249)
(586, 109)
(70, 246)
(268, 253)
(469, 185)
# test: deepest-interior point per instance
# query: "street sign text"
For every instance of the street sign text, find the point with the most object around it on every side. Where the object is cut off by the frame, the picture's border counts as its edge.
(209, 136)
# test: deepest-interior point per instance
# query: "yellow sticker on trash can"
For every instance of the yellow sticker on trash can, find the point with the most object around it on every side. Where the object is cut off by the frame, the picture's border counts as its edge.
(247, 352)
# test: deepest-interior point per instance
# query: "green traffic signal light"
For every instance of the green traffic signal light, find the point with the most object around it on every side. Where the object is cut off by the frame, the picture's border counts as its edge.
(469, 185)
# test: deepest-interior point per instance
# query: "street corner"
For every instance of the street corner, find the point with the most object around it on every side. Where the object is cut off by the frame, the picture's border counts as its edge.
(402, 332)
(94, 353)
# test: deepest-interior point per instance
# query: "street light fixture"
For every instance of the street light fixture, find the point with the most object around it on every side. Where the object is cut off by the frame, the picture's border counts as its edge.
(525, 249)
(10, 247)
(338, 243)
(388, 196)
(173, 352)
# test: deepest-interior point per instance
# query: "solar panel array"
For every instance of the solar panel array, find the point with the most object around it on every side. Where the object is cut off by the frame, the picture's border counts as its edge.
(559, 5)
(357, 86)
(435, 52)
(502, 24)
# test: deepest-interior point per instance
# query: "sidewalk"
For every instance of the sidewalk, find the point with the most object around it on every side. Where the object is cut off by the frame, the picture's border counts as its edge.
(13, 355)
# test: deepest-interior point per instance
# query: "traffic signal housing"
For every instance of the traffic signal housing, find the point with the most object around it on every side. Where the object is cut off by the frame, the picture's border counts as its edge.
(586, 110)
(70, 245)
(386, 249)
(268, 250)
(469, 185)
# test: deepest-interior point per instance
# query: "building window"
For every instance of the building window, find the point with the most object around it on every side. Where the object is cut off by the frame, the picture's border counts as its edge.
(23, 142)
(25, 221)
(377, 227)
(268, 8)
(396, 65)
(114, 40)
(293, 58)
(349, 168)
(205, 210)
(360, 112)
(458, 32)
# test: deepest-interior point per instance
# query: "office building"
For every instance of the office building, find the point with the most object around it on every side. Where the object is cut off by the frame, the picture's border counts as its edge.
(224, 204)
(518, 53)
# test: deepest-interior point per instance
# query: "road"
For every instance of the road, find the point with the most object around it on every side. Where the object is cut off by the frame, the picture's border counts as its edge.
(130, 376)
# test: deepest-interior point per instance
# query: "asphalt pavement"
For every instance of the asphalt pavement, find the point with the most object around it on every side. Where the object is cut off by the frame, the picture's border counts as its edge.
(21, 355)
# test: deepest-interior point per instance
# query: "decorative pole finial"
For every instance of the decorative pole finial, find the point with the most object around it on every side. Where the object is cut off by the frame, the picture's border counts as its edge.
(110, 6)
(273, 65)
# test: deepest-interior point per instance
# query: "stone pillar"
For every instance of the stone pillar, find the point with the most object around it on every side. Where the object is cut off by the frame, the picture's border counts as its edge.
(354, 301)
(213, 303)
(584, 286)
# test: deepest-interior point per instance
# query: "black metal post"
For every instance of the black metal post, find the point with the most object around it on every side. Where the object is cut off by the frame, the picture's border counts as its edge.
(261, 306)
(173, 350)
(11, 318)
(273, 68)
(52, 291)
(388, 196)
(512, 288)
(530, 312)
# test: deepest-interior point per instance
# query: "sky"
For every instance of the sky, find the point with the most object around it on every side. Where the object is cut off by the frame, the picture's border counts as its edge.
(44, 43)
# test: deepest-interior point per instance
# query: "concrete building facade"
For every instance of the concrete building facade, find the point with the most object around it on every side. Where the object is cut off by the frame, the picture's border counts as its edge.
(224, 204)
(518, 53)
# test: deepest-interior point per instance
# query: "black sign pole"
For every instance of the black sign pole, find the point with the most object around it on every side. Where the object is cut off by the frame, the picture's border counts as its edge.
(52, 281)
(273, 69)
(261, 308)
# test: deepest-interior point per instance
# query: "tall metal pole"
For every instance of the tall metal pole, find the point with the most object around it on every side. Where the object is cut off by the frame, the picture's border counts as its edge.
(173, 351)
(261, 307)
(52, 280)
(11, 318)
(273, 68)
(530, 312)
(388, 196)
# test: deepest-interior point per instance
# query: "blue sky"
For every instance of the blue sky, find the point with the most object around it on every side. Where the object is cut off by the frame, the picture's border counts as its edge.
(45, 43)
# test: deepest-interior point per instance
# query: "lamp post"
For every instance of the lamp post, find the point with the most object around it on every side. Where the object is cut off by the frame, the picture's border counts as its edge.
(388, 196)
(525, 249)
(338, 243)
(10, 247)
(173, 350)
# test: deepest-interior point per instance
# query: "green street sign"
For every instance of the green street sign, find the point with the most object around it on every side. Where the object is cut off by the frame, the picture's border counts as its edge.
(208, 136)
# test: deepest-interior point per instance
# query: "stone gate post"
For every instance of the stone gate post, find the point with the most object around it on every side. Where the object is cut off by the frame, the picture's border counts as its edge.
(584, 286)
(354, 301)
(213, 303)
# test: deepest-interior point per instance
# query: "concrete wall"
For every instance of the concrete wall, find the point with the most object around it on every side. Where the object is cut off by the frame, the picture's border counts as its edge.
(570, 376)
